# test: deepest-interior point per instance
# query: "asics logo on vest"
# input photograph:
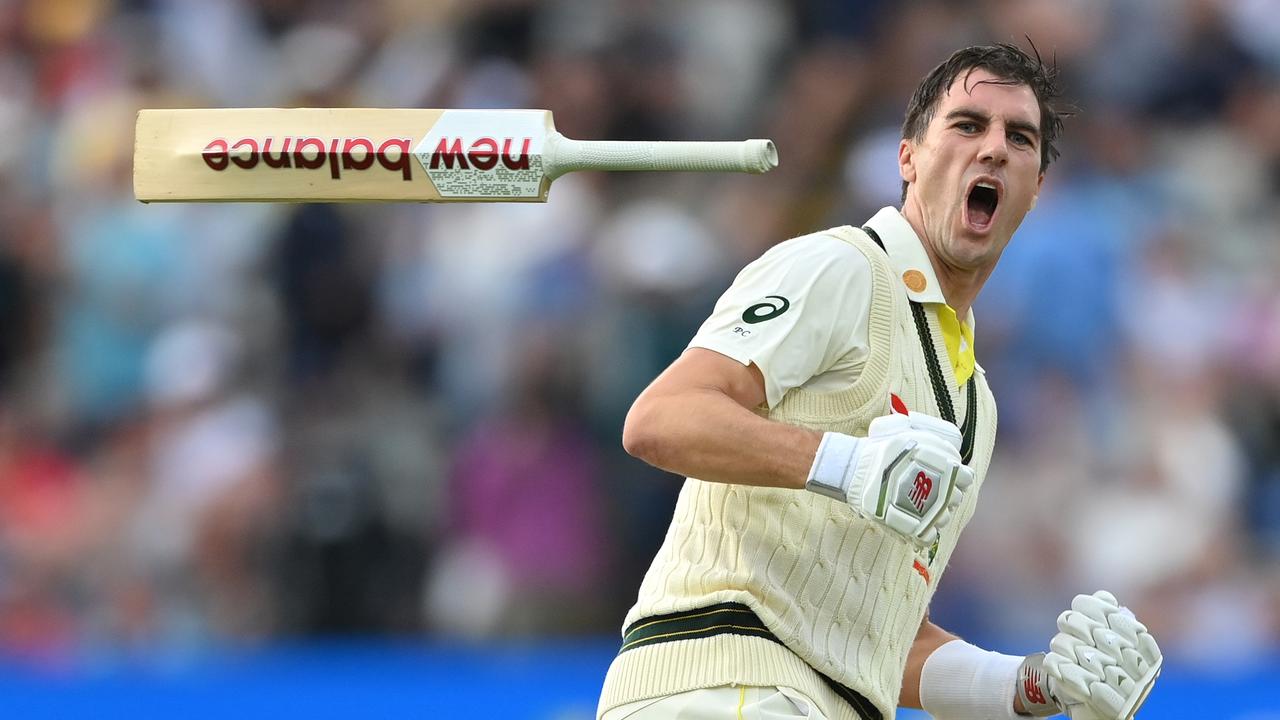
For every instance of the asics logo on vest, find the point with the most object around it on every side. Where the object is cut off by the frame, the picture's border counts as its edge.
(921, 490)
(766, 310)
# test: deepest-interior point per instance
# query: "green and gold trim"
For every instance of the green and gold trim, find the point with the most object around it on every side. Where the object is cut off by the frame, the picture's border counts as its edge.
(732, 618)
(724, 618)
(968, 430)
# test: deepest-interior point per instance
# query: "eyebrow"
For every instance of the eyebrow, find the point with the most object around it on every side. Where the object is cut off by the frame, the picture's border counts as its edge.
(975, 114)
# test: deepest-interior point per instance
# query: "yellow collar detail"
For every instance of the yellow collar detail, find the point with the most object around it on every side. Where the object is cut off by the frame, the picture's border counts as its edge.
(958, 338)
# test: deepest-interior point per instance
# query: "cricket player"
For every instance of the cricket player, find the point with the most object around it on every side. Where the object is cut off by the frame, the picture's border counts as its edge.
(836, 429)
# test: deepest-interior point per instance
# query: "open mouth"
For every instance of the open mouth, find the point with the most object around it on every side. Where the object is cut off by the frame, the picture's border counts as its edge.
(981, 205)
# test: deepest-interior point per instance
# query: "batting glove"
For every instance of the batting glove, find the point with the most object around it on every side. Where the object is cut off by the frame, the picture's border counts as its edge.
(907, 473)
(1101, 665)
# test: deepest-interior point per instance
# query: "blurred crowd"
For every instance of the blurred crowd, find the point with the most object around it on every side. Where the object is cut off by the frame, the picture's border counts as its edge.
(229, 424)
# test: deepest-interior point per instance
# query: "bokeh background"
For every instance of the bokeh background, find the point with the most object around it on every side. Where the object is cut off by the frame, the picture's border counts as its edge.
(315, 461)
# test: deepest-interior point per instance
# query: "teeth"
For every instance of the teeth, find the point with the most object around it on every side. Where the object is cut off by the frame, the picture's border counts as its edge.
(986, 185)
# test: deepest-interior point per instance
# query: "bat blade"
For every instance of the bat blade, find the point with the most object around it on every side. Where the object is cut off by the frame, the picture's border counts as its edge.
(362, 155)
(340, 155)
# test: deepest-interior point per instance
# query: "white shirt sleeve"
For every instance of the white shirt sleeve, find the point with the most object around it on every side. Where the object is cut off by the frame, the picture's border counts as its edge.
(797, 312)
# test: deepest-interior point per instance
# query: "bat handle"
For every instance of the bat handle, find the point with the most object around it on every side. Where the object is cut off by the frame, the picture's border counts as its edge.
(562, 155)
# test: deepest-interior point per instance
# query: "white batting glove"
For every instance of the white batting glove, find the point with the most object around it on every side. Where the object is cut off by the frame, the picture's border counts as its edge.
(907, 473)
(1101, 665)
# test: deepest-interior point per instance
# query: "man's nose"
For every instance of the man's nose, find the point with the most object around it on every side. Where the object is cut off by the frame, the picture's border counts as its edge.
(995, 148)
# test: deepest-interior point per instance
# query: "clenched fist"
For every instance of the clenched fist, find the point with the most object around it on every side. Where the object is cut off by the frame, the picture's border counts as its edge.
(1101, 665)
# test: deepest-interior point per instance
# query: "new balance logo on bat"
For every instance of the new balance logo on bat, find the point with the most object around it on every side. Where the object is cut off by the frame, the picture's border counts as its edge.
(310, 153)
(920, 491)
(483, 154)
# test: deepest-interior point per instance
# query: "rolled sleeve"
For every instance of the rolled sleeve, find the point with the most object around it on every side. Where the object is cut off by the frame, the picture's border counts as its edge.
(794, 312)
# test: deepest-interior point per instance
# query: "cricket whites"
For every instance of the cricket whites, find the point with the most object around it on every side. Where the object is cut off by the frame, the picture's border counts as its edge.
(362, 155)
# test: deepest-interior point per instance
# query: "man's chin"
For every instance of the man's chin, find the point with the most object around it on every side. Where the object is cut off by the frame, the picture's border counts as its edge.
(974, 251)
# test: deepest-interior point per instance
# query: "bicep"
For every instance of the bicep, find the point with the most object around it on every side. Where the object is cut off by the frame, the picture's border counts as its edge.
(698, 393)
(697, 420)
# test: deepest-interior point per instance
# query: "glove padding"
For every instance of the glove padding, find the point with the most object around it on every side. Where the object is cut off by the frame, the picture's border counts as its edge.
(1101, 665)
(907, 473)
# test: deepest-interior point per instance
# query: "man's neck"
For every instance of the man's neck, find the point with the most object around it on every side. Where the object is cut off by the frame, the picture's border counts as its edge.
(960, 287)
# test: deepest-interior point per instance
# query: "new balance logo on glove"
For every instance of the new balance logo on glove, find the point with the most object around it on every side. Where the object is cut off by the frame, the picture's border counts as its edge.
(923, 486)
(1031, 686)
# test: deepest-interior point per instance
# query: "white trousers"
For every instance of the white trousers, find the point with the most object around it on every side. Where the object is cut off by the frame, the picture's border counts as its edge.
(722, 703)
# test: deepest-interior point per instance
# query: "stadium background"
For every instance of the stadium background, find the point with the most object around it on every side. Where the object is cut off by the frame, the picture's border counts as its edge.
(327, 460)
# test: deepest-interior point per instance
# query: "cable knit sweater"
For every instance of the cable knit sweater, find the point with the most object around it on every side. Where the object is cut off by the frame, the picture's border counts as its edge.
(844, 594)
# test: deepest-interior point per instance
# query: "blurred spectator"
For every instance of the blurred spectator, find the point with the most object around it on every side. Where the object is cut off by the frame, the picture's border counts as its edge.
(526, 537)
(16, 313)
(213, 478)
(365, 496)
(325, 289)
(41, 501)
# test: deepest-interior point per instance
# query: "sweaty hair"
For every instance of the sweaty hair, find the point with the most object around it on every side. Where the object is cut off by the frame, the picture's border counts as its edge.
(1013, 67)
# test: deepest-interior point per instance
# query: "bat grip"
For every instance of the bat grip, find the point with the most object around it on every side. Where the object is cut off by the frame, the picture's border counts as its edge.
(562, 155)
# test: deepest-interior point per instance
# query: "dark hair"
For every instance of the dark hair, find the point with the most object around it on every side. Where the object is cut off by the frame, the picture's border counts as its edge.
(1013, 67)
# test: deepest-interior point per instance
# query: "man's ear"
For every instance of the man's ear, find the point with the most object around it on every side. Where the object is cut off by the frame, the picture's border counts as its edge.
(1036, 197)
(906, 160)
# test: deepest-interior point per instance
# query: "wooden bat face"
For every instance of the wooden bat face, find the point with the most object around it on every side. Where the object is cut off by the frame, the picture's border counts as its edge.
(307, 154)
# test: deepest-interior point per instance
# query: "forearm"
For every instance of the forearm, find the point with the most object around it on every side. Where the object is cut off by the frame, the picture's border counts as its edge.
(952, 679)
(929, 638)
(707, 435)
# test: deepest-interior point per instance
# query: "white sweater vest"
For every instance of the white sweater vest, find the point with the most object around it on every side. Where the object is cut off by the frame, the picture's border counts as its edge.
(845, 595)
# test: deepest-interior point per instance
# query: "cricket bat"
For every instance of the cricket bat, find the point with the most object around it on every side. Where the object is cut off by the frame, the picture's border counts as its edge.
(362, 154)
